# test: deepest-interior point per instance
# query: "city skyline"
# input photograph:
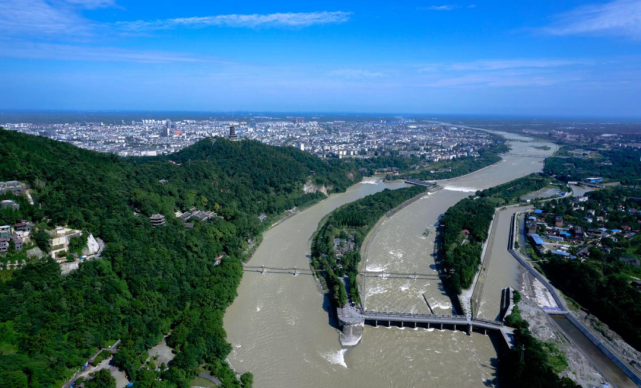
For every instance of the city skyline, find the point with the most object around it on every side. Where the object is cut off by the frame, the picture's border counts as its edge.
(549, 59)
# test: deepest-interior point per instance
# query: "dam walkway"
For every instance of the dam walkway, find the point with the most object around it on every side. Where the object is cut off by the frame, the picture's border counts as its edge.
(310, 271)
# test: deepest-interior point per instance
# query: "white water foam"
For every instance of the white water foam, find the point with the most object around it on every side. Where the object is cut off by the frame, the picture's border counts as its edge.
(371, 181)
(257, 308)
(397, 254)
(462, 189)
(375, 291)
(443, 306)
(375, 268)
(336, 358)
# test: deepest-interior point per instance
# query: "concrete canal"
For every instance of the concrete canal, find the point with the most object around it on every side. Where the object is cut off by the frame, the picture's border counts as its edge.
(603, 363)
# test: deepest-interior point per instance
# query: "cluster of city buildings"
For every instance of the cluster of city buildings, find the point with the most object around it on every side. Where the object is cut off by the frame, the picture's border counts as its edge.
(326, 139)
(552, 233)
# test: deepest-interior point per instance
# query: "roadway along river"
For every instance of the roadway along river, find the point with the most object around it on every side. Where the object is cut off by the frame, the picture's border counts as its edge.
(280, 329)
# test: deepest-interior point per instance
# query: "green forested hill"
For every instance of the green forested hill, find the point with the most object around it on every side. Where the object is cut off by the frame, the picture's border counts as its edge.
(150, 280)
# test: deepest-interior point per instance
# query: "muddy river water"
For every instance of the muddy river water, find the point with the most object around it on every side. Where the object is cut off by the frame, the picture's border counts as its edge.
(279, 325)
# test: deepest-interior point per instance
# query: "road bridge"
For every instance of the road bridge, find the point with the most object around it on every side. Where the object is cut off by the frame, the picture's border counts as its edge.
(291, 270)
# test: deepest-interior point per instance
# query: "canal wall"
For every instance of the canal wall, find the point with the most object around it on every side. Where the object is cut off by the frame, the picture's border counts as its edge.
(604, 350)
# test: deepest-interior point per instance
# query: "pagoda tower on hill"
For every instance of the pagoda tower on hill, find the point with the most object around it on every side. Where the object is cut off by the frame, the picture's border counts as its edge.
(232, 133)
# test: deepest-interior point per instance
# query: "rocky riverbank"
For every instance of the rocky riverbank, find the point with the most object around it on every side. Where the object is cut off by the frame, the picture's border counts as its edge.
(543, 328)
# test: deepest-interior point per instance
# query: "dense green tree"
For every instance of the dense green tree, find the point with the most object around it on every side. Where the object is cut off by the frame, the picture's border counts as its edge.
(247, 380)
(101, 379)
(604, 290)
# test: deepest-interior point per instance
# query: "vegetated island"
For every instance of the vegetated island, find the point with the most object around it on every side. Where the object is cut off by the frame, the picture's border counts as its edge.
(337, 242)
(464, 228)
(458, 167)
(413, 167)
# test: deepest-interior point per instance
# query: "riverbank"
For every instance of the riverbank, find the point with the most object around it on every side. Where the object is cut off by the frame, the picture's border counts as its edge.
(577, 366)
(287, 214)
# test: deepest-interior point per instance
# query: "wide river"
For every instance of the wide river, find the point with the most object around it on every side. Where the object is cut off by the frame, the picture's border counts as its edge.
(279, 326)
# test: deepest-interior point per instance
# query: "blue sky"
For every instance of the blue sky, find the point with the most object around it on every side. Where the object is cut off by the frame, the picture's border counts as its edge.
(539, 57)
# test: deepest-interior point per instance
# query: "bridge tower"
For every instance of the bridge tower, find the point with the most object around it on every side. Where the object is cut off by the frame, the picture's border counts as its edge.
(295, 271)
(263, 270)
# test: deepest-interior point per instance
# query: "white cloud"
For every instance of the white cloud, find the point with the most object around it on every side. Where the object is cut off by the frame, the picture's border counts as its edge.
(504, 64)
(493, 80)
(288, 19)
(537, 72)
(69, 52)
(355, 74)
(620, 17)
(52, 19)
(39, 18)
(516, 64)
(92, 4)
(439, 8)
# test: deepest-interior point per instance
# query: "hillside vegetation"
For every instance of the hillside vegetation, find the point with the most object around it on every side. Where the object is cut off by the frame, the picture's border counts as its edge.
(151, 280)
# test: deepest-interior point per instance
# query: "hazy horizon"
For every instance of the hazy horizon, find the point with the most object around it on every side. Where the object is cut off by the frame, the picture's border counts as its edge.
(390, 114)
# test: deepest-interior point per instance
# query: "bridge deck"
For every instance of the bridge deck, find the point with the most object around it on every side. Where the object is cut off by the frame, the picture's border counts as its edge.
(526, 155)
(431, 319)
(420, 183)
(369, 274)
